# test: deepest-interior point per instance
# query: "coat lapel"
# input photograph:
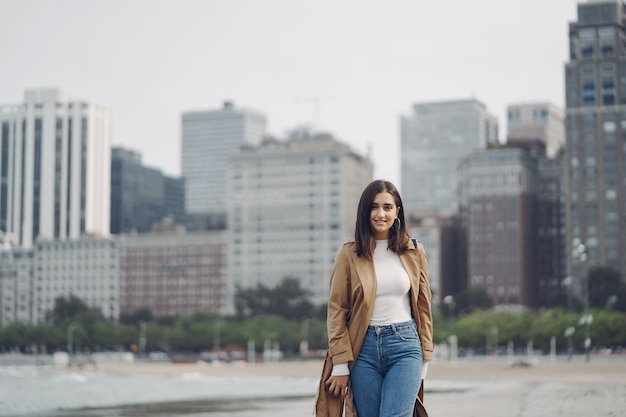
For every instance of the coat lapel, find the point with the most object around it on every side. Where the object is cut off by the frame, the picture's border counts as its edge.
(367, 276)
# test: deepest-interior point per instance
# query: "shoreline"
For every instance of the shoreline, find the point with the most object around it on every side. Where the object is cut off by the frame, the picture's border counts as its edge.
(598, 369)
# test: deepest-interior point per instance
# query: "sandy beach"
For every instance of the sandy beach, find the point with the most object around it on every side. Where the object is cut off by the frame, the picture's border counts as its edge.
(600, 370)
(478, 387)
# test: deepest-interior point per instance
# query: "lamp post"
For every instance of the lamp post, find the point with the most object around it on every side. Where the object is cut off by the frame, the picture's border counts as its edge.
(70, 337)
(452, 339)
(569, 332)
(579, 256)
(142, 338)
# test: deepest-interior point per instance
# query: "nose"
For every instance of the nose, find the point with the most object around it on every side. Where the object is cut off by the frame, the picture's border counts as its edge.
(379, 212)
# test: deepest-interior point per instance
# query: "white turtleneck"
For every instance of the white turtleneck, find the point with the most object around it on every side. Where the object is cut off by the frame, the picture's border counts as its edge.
(392, 303)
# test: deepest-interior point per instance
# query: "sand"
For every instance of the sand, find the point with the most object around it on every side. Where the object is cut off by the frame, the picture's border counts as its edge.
(479, 387)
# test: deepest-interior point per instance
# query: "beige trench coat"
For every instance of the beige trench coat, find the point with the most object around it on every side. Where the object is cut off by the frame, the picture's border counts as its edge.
(352, 293)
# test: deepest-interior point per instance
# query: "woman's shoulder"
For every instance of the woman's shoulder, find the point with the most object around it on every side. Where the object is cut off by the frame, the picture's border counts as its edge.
(347, 248)
(416, 245)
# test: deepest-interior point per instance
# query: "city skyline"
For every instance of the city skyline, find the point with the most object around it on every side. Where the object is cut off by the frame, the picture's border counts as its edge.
(352, 69)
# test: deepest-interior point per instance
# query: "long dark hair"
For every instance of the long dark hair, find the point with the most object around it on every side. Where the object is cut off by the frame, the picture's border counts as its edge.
(364, 235)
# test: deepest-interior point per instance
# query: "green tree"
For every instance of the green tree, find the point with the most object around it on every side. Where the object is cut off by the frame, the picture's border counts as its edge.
(514, 327)
(65, 309)
(470, 300)
(143, 314)
(46, 336)
(551, 323)
(14, 336)
(288, 299)
(472, 329)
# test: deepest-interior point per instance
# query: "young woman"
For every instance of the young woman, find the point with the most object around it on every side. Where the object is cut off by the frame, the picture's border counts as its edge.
(379, 315)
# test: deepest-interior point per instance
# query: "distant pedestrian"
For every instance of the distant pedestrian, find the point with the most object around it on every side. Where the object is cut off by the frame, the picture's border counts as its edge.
(379, 315)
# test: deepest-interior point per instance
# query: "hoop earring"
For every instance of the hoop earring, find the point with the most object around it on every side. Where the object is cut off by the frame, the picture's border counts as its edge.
(395, 229)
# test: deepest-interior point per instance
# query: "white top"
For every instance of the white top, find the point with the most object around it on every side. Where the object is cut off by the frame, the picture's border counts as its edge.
(392, 303)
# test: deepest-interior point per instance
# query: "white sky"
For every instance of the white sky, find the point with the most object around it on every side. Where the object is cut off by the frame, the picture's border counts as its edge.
(364, 61)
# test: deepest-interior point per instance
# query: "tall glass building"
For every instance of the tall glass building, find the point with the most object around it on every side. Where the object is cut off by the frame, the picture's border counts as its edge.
(142, 196)
(433, 140)
(55, 165)
(209, 138)
(595, 82)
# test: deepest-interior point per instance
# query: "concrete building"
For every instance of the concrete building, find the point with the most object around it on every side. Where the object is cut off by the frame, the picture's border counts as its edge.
(87, 268)
(433, 139)
(292, 204)
(54, 167)
(545, 122)
(142, 196)
(511, 213)
(16, 286)
(174, 273)
(595, 83)
(209, 138)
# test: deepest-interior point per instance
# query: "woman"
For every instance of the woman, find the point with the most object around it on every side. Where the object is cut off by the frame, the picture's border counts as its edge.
(379, 315)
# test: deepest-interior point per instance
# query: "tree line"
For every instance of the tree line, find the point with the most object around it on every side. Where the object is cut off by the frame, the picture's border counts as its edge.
(285, 315)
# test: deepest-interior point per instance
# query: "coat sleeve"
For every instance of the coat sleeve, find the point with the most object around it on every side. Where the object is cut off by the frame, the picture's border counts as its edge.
(339, 345)
(424, 307)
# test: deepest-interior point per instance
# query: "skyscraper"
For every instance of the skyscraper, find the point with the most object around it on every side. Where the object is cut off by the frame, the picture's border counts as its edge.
(142, 196)
(544, 122)
(209, 138)
(54, 167)
(510, 211)
(433, 140)
(292, 204)
(595, 82)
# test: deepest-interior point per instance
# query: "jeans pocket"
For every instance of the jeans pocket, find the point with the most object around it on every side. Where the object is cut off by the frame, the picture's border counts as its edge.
(408, 334)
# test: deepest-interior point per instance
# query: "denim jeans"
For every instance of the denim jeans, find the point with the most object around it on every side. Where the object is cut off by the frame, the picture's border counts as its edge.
(387, 373)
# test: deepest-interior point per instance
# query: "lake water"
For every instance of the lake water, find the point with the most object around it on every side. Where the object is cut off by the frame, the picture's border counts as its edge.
(49, 391)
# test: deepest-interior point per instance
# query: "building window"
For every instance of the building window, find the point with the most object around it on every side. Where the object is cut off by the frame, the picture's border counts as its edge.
(589, 92)
(586, 50)
(608, 91)
(607, 49)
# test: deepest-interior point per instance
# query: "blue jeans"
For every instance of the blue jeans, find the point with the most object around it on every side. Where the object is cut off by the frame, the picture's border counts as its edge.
(387, 373)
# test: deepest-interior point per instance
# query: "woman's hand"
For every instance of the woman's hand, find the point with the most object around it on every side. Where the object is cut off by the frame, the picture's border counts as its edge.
(338, 385)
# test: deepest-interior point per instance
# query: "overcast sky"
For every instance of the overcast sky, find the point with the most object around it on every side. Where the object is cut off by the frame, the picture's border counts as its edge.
(349, 67)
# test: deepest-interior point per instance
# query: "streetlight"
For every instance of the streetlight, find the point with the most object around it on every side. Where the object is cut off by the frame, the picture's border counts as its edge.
(579, 256)
(452, 339)
(586, 320)
(569, 332)
(142, 338)
(70, 337)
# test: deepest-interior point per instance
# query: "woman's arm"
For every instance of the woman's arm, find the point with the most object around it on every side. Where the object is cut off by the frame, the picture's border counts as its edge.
(339, 345)
(424, 306)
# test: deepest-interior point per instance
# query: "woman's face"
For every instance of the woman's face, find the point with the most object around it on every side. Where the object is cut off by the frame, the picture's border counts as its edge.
(384, 212)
